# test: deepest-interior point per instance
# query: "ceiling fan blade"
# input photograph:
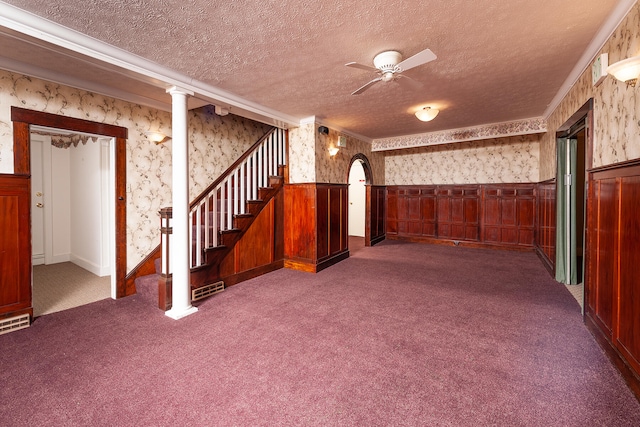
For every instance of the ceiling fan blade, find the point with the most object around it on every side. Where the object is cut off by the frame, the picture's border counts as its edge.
(362, 67)
(367, 86)
(417, 59)
(408, 82)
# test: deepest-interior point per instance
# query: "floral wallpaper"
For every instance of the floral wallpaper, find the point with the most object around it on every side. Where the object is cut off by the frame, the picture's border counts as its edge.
(500, 160)
(616, 106)
(309, 159)
(215, 143)
(302, 154)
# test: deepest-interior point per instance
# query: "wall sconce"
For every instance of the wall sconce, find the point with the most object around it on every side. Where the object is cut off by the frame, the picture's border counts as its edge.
(157, 137)
(427, 114)
(627, 70)
(333, 151)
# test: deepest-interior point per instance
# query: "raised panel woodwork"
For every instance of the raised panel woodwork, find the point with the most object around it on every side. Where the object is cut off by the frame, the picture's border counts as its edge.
(15, 246)
(375, 214)
(606, 234)
(322, 223)
(315, 225)
(628, 310)
(392, 210)
(545, 223)
(496, 214)
(612, 258)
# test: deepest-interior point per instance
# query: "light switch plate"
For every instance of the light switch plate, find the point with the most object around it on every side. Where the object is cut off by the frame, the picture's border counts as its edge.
(599, 68)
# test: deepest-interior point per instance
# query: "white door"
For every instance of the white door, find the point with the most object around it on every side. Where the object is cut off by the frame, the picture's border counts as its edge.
(357, 199)
(40, 189)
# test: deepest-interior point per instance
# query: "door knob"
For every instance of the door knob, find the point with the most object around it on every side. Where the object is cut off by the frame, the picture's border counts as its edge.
(39, 205)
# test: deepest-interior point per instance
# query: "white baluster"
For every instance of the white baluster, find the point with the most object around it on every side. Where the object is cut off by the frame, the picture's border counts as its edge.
(236, 207)
(243, 173)
(190, 239)
(207, 220)
(222, 207)
(229, 205)
(216, 221)
(198, 240)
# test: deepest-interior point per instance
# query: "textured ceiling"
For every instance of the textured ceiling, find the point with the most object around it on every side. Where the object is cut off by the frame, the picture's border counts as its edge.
(497, 60)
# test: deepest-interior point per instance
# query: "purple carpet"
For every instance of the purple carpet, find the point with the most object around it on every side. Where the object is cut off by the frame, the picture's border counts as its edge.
(398, 334)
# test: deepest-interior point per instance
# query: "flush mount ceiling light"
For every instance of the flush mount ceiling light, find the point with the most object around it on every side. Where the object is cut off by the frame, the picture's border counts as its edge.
(157, 137)
(427, 114)
(627, 70)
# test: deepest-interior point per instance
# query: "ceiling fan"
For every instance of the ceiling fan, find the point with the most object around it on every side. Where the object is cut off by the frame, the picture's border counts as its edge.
(389, 67)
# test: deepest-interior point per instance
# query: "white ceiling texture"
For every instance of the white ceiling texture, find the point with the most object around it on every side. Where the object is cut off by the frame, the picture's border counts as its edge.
(283, 61)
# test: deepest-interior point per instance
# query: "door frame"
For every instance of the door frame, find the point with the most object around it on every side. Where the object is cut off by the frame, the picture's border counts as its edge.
(22, 120)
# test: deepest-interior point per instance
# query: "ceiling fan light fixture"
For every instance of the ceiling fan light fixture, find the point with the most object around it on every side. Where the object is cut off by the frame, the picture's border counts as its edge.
(427, 114)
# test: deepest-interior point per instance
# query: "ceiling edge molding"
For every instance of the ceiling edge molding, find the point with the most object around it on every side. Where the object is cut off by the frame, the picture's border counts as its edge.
(613, 21)
(94, 51)
(44, 74)
(490, 131)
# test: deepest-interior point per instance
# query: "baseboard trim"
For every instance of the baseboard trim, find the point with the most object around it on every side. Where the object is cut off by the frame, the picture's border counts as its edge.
(310, 267)
(250, 274)
(463, 243)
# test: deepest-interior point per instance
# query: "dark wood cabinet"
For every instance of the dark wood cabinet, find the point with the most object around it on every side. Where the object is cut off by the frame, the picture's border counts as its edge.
(315, 225)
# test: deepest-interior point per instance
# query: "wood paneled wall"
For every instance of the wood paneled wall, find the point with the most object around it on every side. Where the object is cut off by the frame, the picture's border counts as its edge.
(315, 225)
(612, 291)
(545, 239)
(15, 246)
(500, 215)
(375, 226)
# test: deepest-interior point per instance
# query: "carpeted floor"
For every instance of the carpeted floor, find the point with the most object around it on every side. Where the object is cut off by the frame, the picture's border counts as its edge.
(398, 334)
(65, 285)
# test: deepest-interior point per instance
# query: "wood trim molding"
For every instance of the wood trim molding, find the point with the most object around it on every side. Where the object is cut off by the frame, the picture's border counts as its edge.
(23, 119)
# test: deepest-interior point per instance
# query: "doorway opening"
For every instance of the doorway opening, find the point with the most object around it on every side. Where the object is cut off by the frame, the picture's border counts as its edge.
(23, 120)
(574, 147)
(72, 219)
(359, 178)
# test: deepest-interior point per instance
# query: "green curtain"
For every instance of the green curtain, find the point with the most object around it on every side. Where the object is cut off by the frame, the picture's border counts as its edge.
(566, 255)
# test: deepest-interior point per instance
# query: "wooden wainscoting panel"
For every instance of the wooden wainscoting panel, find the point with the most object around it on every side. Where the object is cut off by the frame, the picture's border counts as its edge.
(628, 293)
(15, 246)
(545, 224)
(375, 214)
(605, 277)
(300, 240)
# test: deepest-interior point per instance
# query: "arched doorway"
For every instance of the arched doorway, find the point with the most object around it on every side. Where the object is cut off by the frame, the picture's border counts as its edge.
(359, 177)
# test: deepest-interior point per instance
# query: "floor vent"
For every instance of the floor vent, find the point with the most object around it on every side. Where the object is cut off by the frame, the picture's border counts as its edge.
(205, 291)
(14, 323)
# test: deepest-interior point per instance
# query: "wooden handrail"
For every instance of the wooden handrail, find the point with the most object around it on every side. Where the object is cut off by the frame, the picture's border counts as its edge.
(230, 169)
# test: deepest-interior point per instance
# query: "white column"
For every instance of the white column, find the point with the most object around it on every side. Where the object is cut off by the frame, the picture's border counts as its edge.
(181, 289)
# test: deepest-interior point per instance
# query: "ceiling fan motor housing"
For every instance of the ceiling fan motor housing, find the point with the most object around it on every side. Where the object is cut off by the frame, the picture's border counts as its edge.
(387, 61)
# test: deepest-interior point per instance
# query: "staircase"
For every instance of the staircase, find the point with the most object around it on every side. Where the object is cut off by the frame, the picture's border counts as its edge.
(221, 215)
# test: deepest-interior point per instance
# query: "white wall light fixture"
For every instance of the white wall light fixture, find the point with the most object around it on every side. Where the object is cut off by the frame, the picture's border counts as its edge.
(333, 151)
(157, 137)
(627, 70)
(427, 114)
